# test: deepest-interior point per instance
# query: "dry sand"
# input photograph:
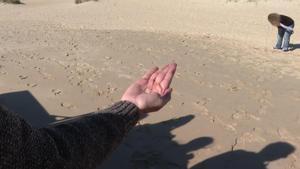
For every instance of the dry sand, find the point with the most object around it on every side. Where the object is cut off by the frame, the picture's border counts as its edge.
(231, 92)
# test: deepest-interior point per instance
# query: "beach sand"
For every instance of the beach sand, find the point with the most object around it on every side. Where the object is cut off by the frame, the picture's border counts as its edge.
(232, 92)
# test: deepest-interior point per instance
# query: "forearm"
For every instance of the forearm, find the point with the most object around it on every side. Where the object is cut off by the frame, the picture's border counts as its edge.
(77, 143)
(87, 141)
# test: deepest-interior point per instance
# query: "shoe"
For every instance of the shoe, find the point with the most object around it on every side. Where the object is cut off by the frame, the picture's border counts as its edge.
(277, 48)
(285, 49)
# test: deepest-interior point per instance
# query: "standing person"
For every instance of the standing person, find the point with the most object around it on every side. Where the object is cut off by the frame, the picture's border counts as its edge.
(82, 142)
(285, 27)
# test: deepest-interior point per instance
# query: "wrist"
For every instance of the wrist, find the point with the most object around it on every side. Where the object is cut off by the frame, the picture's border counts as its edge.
(126, 109)
(133, 102)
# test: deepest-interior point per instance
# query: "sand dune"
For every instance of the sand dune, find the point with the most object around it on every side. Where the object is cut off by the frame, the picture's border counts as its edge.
(232, 91)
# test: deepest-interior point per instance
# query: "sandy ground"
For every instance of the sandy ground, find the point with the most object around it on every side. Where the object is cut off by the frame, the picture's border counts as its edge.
(232, 93)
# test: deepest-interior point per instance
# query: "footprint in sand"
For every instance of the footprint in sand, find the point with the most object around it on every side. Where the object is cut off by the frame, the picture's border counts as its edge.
(246, 138)
(263, 99)
(108, 57)
(203, 101)
(201, 106)
(3, 72)
(217, 120)
(100, 92)
(244, 115)
(203, 110)
(23, 77)
(110, 90)
(80, 83)
(31, 84)
(126, 76)
(177, 75)
(230, 87)
(67, 105)
(46, 75)
(233, 89)
(56, 91)
(286, 135)
(36, 68)
(262, 109)
(107, 92)
(198, 74)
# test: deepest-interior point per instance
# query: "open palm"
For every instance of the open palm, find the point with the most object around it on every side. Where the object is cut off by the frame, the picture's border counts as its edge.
(152, 91)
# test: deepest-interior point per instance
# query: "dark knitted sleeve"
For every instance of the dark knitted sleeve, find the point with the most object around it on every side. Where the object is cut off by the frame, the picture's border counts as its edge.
(78, 143)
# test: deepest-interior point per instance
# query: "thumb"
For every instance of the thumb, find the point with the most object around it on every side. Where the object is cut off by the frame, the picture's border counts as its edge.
(167, 95)
(167, 91)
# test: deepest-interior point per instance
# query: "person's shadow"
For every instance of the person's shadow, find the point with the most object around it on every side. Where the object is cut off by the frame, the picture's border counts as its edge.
(294, 47)
(241, 159)
(152, 146)
(25, 104)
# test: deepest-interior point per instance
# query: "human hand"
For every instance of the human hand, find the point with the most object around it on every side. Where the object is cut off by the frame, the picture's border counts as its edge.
(291, 31)
(152, 91)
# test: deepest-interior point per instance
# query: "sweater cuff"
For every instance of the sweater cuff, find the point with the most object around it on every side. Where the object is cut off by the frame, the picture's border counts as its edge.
(125, 108)
(129, 112)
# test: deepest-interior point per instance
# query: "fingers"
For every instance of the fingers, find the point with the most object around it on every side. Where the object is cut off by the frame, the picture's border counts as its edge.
(162, 74)
(161, 77)
(149, 73)
(151, 80)
(165, 83)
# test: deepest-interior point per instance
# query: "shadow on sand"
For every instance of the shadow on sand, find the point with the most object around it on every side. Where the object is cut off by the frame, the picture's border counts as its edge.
(25, 104)
(241, 159)
(152, 146)
(149, 141)
(294, 47)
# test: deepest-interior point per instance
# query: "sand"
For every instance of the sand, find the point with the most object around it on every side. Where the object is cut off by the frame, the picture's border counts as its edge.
(232, 92)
